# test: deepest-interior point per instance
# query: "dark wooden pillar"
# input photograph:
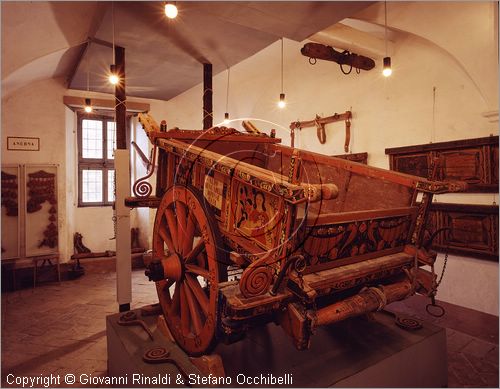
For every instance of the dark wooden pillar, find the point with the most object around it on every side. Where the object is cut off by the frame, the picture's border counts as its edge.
(208, 115)
(121, 107)
(122, 183)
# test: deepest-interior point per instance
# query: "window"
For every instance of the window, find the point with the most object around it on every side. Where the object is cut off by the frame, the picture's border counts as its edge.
(96, 173)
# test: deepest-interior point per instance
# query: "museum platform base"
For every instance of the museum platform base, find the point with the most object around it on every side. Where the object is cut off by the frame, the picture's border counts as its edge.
(359, 352)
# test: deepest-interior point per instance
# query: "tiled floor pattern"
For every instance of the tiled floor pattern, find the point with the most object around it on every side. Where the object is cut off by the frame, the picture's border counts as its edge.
(60, 328)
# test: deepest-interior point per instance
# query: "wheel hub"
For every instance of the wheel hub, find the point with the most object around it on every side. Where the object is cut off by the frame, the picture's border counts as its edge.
(171, 267)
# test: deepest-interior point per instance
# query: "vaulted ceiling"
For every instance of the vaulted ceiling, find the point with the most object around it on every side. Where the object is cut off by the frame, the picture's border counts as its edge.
(163, 57)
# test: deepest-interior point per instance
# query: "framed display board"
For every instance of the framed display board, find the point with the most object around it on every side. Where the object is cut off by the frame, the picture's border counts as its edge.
(11, 199)
(41, 232)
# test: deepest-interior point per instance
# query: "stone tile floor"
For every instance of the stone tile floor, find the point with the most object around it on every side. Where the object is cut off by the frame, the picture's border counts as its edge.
(60, 328)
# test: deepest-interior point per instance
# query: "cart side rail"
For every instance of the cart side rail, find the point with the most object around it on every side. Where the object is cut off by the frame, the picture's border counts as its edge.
(256, 176)
(336, 239)
(418, 183)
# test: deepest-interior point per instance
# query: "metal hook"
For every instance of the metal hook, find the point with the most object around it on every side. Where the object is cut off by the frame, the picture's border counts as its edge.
(312, 60)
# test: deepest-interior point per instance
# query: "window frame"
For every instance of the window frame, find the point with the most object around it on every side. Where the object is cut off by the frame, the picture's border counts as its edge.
(104, 164)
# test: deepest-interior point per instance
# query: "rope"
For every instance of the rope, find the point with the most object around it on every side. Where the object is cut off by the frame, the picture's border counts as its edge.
(379, 293)
(282, 65)
(113, 27)
(227, 90)
(385, 32)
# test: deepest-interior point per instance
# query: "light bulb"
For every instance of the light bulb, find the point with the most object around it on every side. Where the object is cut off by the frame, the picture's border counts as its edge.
(88, 106)
(387, 67)
(171, 10)
(226, 118)
(282, 103)
(113, 79)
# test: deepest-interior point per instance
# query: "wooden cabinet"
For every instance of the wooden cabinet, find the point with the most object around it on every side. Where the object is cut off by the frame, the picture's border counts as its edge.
(474, 161)
(473, 229)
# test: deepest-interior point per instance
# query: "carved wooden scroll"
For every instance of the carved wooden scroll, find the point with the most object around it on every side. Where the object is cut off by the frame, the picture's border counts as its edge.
(320, 123)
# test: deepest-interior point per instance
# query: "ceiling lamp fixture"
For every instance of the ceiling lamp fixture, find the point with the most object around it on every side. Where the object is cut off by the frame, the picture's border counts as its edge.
(282, 102)
(88, 105)
(171, 10)
(226, 115)
(113, 75)
(387, 71)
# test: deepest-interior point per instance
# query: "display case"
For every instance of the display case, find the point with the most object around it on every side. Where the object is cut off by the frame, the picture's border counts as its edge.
(30, 232)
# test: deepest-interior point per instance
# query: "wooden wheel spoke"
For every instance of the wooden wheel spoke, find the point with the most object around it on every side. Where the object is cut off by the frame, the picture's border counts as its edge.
(165, 235)
(197, 270)
(167, 285)
(197, 249)
(189, 236)
(185, 316)
(174, 308)
(189, 294)
(193, 310)
(201, 260)
(172, 226)
(198, 292)
(180, 211)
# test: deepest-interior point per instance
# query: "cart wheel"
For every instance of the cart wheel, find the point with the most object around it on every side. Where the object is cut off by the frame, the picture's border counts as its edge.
(186, 239)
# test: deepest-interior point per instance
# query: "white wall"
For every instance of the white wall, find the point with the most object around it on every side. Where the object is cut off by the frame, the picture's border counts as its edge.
(37, 110)
(387, 112)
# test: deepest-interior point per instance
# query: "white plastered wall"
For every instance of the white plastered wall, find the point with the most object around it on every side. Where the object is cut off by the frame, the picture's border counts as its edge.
(391, 112)
(37, 110)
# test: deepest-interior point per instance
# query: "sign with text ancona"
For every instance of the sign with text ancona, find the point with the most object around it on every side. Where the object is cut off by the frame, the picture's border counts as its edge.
(23, 143)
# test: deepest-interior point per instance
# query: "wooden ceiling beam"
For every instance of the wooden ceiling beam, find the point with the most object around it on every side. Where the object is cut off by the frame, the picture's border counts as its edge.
(79, 102)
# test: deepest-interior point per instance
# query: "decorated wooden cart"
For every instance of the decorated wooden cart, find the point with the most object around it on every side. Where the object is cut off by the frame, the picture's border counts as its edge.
(312, 239)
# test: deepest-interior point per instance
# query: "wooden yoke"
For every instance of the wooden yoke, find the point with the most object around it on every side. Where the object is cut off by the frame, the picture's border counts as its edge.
(319, 51)
(320, 123)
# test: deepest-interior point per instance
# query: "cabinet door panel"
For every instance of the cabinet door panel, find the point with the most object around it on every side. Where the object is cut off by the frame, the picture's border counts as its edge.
(10, 212)
(464, 165)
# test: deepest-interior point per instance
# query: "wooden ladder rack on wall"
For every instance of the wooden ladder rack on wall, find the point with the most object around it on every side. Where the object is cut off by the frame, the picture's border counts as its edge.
(320, 123)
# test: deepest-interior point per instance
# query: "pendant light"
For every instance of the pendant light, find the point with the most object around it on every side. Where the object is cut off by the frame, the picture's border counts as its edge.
(113, 76)
(387, 70)
(88, 104)
(282, 102)
(171, 10)
(226, 114)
